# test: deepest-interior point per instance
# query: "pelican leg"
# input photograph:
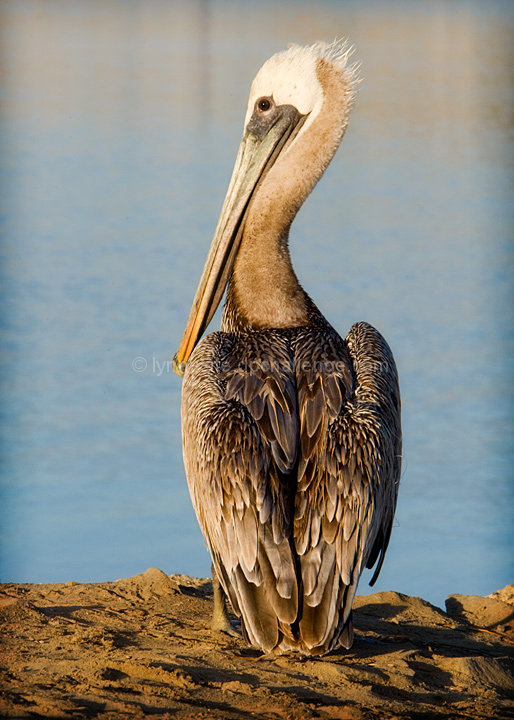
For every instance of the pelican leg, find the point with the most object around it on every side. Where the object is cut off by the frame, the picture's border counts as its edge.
(220, 621)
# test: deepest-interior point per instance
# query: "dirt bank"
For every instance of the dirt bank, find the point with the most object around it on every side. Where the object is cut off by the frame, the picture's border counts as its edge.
(141, 647)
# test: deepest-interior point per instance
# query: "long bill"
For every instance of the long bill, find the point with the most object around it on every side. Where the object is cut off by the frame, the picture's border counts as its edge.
(257, 153)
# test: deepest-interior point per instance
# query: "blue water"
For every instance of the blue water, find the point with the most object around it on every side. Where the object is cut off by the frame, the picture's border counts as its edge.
(119, 128)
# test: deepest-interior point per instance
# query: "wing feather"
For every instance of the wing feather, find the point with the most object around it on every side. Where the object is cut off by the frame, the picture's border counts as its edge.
(350, 443)
(240, 427)
(292, 447)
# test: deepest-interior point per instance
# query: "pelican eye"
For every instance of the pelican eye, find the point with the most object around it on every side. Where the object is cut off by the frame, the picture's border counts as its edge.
(264, 104)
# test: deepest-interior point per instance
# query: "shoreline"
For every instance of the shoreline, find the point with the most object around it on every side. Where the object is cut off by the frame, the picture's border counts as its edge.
(141, 647)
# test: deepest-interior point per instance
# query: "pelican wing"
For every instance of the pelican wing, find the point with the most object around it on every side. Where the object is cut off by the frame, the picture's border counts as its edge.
(292, 449)
(240, 446)
(348, 472)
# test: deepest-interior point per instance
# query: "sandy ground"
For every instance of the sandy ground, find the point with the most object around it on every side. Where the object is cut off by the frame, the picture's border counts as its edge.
(141, 647)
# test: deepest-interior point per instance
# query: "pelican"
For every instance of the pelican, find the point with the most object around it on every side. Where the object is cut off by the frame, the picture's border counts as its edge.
(291, 435)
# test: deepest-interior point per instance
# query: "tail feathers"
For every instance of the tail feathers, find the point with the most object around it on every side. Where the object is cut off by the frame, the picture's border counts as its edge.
(317, 633)
(308, 630)
(260, 624)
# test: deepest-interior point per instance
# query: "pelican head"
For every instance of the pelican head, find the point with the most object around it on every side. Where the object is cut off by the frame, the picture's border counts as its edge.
(297, 113)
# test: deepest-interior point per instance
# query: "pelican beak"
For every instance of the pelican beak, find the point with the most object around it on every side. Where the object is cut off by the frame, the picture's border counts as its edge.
(261, 145)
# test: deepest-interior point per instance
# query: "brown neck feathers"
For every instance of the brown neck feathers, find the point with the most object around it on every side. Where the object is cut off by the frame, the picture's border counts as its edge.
(264, 291)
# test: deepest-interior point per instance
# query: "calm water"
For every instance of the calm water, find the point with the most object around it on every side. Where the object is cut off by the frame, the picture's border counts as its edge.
(120, 125)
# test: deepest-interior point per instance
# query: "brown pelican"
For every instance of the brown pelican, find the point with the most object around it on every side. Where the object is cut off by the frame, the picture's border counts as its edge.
(291, 435)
